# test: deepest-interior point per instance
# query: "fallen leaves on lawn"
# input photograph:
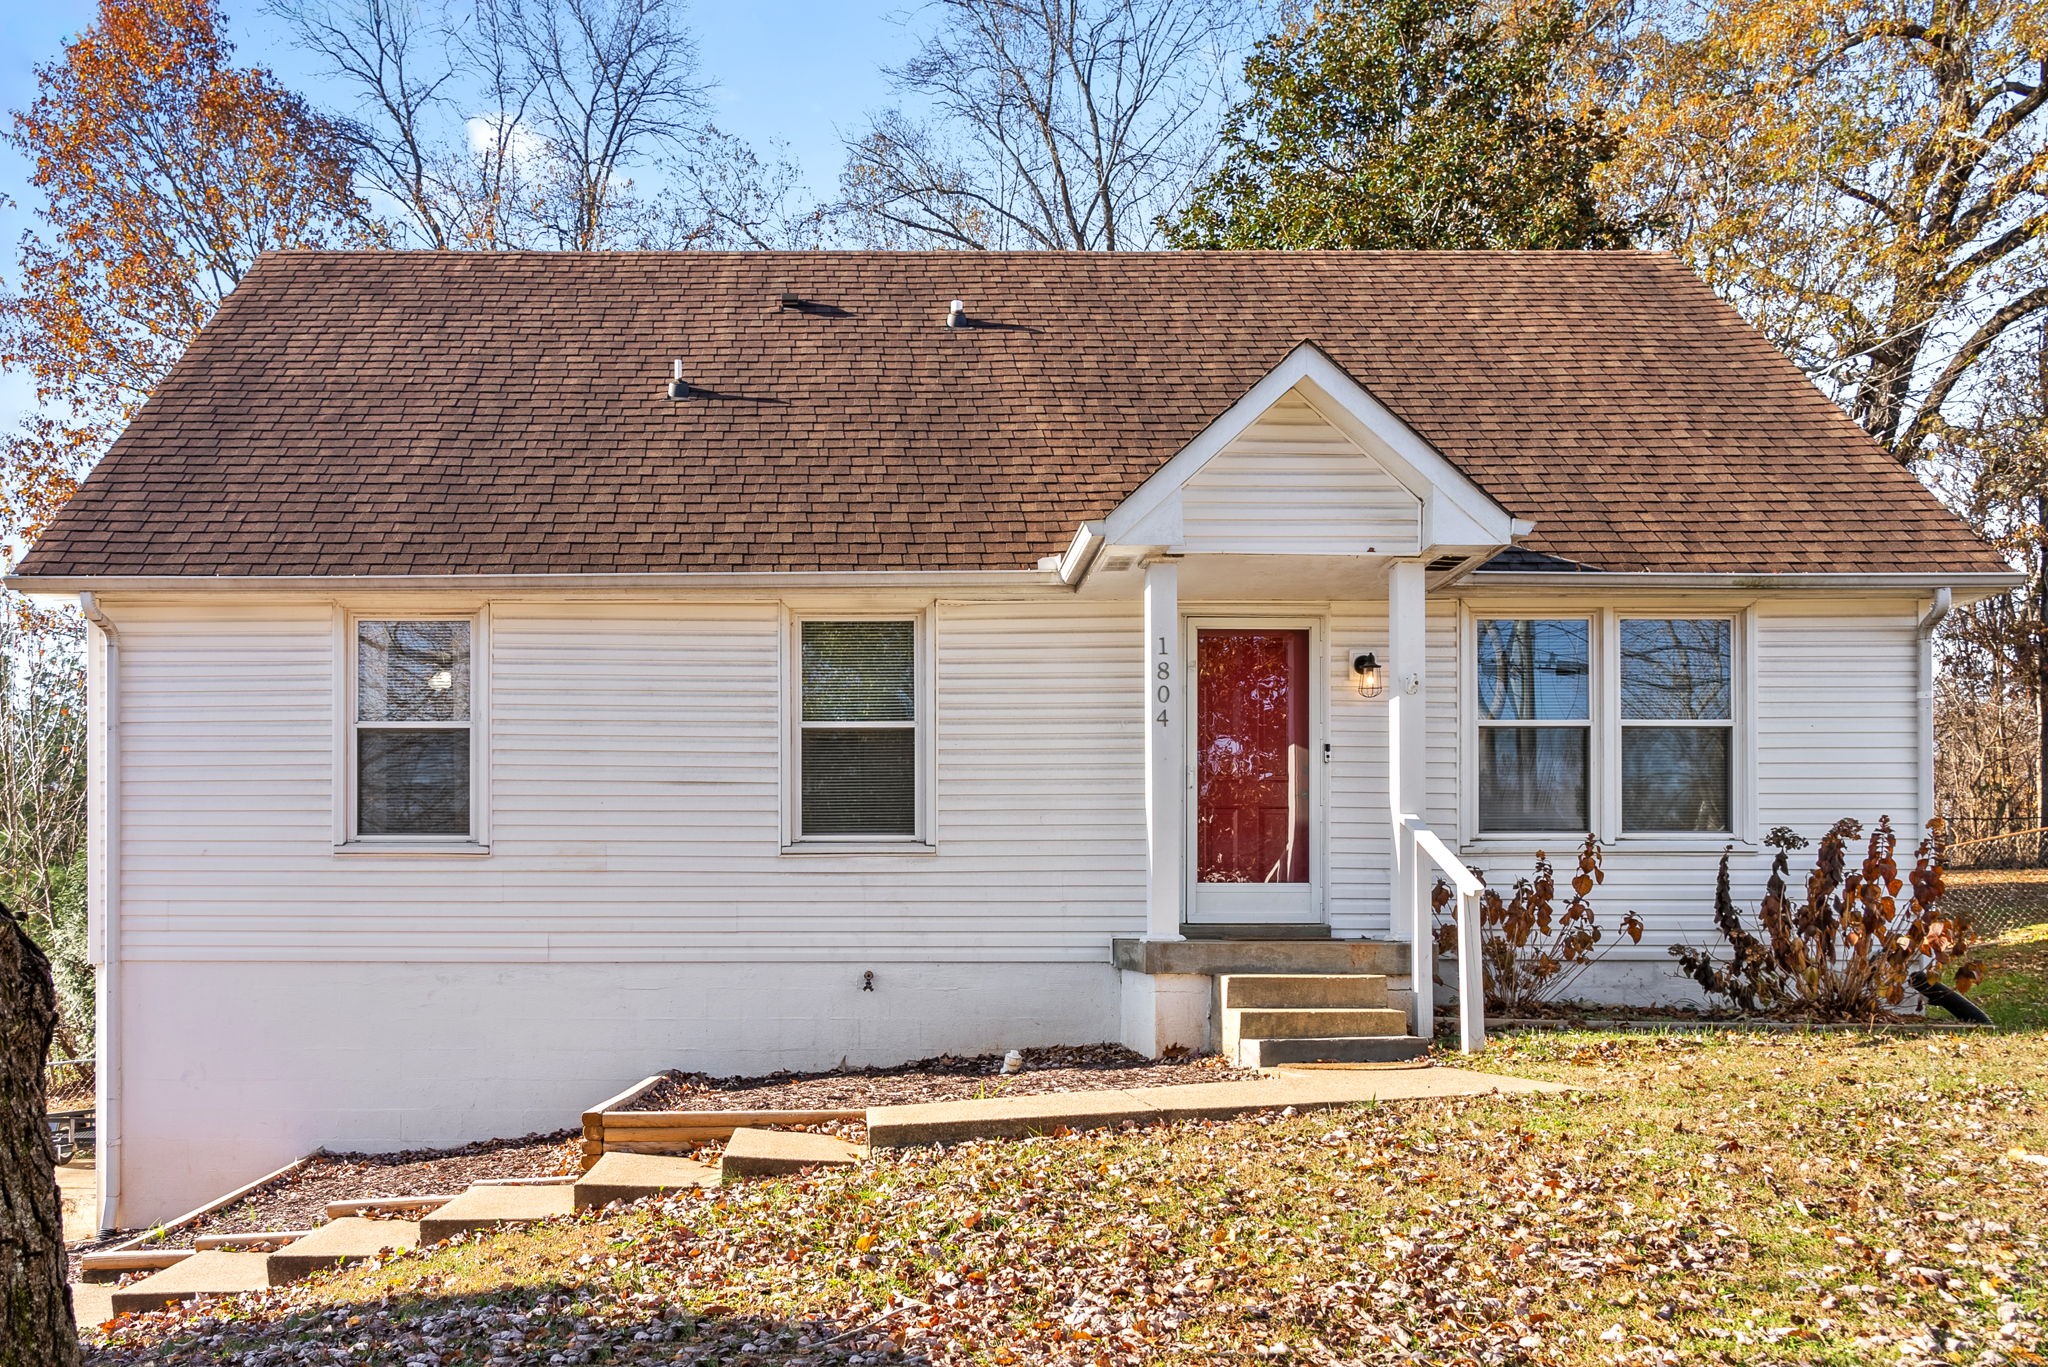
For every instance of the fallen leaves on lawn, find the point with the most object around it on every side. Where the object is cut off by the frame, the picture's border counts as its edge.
(1762, 1201)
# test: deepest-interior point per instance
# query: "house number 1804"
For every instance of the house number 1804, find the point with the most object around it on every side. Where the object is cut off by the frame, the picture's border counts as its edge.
(1162, 672)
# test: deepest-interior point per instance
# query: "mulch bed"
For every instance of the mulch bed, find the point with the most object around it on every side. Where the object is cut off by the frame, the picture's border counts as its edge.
(1080, 1068)
(299, 1199)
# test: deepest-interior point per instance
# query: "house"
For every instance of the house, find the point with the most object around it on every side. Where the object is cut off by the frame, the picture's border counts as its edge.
(514, 674)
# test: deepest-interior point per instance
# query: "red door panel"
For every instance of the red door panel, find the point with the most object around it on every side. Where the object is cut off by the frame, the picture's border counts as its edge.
(1251, 756)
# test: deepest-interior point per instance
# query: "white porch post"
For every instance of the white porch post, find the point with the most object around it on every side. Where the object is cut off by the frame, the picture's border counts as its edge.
(1166, 707)
(1407, 696)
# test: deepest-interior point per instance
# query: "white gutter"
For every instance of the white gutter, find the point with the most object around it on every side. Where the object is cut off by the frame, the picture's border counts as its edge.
(1930, 622)
(1605, 579)
(1082, 552)
(103, 896)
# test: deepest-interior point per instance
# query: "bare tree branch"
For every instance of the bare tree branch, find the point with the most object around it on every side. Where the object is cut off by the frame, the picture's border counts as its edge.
(1044, 123)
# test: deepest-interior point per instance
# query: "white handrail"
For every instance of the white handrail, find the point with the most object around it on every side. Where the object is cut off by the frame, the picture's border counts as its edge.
(1466, 886)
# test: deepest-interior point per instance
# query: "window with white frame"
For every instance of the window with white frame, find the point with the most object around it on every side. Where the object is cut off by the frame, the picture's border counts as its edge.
(410, 729)
(858, 766)
(1535, 723)
(1677, 723)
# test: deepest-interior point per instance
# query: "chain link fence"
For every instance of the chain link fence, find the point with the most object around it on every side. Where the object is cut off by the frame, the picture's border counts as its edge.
(1999, 882)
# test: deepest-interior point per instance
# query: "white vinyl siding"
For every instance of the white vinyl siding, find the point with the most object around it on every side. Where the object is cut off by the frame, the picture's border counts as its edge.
(636, 786)
(1292, 484)
(635, 795)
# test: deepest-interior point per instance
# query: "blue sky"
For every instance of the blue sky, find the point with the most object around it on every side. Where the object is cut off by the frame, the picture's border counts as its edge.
(798, 73)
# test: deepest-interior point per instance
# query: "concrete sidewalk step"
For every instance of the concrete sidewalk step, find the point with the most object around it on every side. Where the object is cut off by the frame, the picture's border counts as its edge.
(492, 1207)
(1244, 990)
(349, 1239)
(92, 1305)
(771, 1153)
(202, 1274)
(1314, 1022)
(1271, 1053)
(630, 1176)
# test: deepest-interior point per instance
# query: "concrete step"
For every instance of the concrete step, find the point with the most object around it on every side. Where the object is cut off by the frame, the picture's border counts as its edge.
(1212, 957)
(1315, 1022)
(771, 1153)
(202, 1274)
(352, 1238)
(492, 1207)
(630, 1176)
(1271, 1053)
(1245, 990)
(92, 1305)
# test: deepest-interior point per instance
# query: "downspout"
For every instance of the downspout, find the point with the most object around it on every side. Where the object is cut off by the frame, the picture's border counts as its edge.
(1930, 622)
(103, 860)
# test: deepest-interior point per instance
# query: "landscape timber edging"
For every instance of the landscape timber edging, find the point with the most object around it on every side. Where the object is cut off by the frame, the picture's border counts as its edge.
(609, 1127)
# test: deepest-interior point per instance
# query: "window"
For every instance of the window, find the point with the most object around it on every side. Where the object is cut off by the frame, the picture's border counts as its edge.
(858, 755)
(411, 732)
(1535, 724)
(1677, 723)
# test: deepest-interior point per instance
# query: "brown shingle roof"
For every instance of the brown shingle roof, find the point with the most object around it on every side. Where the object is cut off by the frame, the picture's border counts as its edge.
(432, 413)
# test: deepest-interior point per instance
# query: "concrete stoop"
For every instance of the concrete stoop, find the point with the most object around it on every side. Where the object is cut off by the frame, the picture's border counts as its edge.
(772, 1153)
(1265, 1019)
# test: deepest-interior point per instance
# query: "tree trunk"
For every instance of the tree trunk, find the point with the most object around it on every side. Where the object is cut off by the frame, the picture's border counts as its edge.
(36, 1324)
(2041, 660)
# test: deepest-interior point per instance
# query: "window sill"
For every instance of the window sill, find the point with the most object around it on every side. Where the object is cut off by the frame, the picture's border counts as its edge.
(856, 847)
(1560, 845)
(462, 849)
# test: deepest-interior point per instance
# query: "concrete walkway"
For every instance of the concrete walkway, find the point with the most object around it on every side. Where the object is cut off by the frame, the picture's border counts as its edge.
(1309, 1088)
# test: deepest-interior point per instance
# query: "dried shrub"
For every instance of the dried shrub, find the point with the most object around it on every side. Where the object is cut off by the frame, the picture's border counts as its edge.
(1531, 950)
(1848, 949)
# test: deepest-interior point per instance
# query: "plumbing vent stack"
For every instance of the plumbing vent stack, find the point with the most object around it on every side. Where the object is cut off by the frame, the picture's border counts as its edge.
(678, 388)
(956, 316)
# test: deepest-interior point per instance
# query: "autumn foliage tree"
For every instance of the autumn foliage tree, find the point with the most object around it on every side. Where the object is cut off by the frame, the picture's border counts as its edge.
(1866, 180)
(162, 170)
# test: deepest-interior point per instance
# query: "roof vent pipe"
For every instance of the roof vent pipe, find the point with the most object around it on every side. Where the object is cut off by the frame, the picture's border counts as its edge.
(956, 316)
(678, 387)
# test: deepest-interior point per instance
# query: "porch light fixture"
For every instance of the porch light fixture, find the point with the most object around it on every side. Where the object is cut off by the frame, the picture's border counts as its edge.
(1372, 681)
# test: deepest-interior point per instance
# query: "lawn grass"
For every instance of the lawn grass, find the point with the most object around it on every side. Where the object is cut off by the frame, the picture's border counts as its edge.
(1730, 1198)
(2015, 988)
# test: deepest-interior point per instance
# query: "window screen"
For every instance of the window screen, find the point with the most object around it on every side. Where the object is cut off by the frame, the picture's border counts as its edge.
(1677, 723)
(1535, 723)
(857, 751)
(412, 728)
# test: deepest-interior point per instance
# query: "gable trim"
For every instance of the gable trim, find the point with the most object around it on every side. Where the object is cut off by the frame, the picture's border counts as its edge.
(1455, 511)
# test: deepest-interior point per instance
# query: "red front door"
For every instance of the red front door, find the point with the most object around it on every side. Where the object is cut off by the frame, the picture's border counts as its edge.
(1254, 805)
